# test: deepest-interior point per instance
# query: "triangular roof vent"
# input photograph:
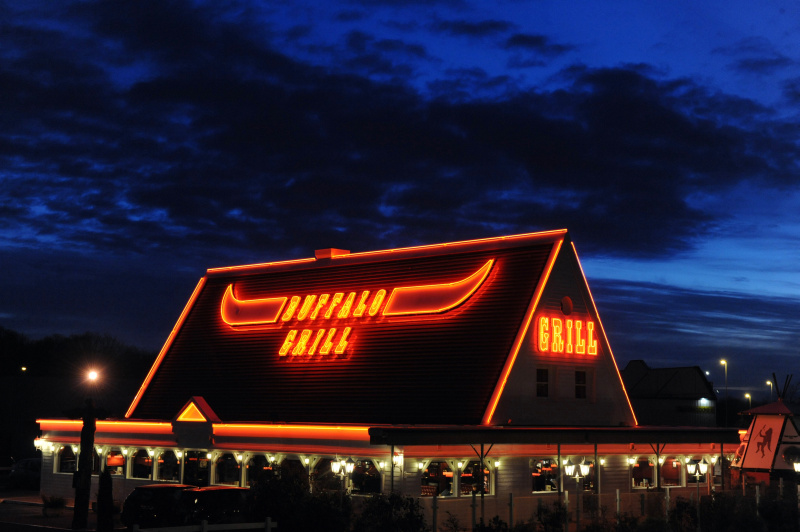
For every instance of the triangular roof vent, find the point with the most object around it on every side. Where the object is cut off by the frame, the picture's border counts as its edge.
(197, 410)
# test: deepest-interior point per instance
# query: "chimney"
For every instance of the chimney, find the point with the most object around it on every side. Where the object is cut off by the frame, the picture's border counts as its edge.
(330, 253)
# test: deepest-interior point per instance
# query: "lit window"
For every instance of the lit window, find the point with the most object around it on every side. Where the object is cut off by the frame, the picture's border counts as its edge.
(473, 480)
(437, 479)
(115, 462)
(643, 473)
(544, 474)
(366, 477)
(671, 471)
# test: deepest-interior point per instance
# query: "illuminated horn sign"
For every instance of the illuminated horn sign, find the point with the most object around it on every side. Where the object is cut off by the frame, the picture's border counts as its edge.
(251, 311)
(435, 298)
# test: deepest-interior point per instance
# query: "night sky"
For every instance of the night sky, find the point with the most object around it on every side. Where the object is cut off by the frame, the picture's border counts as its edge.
(142, 142)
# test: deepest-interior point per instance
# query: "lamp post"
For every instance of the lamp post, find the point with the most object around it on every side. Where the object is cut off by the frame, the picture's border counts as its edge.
(697, 469)
(770, 390)
(725, 363)
(749, 400)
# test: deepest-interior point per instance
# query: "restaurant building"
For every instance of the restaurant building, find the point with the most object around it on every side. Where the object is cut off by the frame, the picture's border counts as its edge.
(475, 367)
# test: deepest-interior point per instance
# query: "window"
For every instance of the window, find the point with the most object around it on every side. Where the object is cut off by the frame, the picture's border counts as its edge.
(366, 477)
(544, 474)
(169, 467)
(115, 462)
(258, 468)
(542, 383)
(642, 473)
(325, 479)
(473, 479)
(437, 479)
(671, 471)
(142, 464)
(195, 468)
(580, 385)
(227, 470)
(67, 463)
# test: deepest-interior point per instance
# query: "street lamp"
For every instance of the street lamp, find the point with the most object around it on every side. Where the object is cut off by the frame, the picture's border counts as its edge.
(725, 363)
(749, 401)
(770, 390)
(697, 469)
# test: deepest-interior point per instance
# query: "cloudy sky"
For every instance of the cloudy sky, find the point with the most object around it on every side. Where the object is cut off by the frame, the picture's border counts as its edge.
(142, 142)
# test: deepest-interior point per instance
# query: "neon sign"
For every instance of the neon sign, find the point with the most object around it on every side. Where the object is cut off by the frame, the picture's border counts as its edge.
(565, 336)
(316, 318)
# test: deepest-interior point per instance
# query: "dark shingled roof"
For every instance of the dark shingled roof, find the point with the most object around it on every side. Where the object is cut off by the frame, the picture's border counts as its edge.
(439, 368)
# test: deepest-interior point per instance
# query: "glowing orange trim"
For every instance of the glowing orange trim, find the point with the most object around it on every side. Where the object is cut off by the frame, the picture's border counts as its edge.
(137, 427)
(602, 329)
(191, 413)
(395, 251)
(512, 357)
(166, 347)
(351, 433)
(250, 311)
(435, 298)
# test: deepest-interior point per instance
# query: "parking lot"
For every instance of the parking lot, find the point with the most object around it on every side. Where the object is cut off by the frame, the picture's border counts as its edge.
(21, 511)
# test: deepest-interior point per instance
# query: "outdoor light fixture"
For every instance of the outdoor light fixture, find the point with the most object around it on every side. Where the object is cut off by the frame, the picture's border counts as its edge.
(631, 460)
(796, 467)
(307, 460)
(460, 465)
(349, 466)
(602, 461)
(569, 467)
(208, 455)
(660, 460)
(124, 452)
(421, 466)
(336, 465)
(749, 400)
(382, 465)
(585, 468)
(74, 448)
(497, 463)
(398, 459)
(238, 457)
(151, 452)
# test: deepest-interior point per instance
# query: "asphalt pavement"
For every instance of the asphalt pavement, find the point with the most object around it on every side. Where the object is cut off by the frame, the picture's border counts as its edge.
(22, 511)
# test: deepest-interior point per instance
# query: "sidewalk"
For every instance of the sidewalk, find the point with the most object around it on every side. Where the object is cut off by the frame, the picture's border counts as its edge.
(25, 508)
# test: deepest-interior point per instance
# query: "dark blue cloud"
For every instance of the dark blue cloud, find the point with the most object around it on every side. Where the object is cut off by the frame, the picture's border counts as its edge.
(151, 140)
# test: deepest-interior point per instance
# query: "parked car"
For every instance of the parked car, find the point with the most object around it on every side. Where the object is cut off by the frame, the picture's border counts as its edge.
(215, 505)
(5, 470)
(26, 473)
(153, 505)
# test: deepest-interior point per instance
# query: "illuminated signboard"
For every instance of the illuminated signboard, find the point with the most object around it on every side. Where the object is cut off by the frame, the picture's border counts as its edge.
(321, 324)
(562, 335)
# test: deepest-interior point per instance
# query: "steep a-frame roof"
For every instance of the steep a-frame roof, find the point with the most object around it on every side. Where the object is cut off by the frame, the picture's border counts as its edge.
(419, 335)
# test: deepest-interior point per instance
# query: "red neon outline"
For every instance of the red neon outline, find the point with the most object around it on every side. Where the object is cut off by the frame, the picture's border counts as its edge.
(191, 413)
(606, 343)
(138, 427)
(236, 311)
(512, 357)
(197, 289)
(567, 336)
(350, 433)
(435, 298)
(393, 251)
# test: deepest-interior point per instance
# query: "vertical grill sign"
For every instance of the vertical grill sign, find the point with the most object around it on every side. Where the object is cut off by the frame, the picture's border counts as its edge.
(322, 323)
